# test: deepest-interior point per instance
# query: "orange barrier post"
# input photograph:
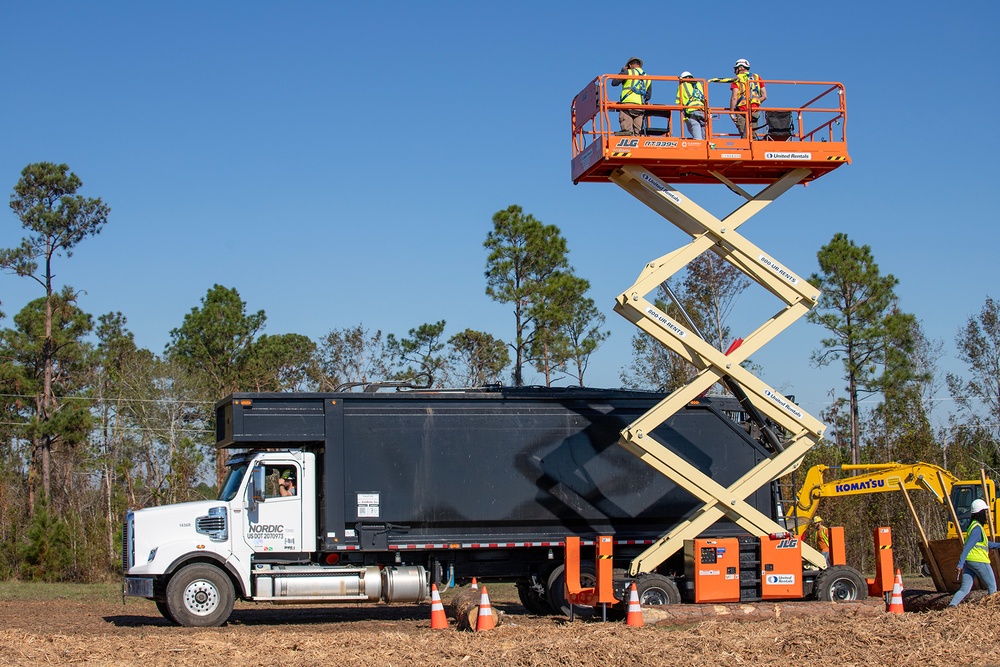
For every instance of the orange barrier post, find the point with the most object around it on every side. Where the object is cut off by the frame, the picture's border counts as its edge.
(881, 585)
(896, 604)
(485, 621)
(634, 617)
(439, 621)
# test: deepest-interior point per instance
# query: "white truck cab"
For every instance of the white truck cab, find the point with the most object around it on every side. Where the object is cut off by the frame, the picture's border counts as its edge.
(255, 542)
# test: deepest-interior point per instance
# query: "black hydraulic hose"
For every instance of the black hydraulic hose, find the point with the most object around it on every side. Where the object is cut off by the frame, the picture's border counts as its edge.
(734, 388)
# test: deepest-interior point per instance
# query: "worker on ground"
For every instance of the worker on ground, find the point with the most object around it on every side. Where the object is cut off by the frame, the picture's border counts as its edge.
(747, 93)
(634, 91)
(691, 96)
(822, 537)
(974, 562)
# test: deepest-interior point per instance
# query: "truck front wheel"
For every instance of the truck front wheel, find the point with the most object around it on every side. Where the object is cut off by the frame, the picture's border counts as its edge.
(165, 612)
(200, 596)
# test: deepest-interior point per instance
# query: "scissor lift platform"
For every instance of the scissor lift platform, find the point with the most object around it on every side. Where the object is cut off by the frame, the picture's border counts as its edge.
(818, 142)
(647, 167)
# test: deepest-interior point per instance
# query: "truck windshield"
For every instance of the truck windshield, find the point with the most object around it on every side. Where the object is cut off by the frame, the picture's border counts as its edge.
(232, 483)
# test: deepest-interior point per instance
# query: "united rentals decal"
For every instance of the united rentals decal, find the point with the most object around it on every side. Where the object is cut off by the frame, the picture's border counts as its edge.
(774, 155)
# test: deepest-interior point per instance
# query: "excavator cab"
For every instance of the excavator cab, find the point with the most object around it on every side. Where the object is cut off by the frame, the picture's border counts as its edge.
(962, 496)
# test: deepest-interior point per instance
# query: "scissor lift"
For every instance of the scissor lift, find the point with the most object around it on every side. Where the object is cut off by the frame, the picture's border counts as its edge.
(647, 167)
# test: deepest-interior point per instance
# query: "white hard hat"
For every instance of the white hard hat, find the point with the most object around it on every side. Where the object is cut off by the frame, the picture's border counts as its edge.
(742, 62)
(978, 505)
(685, 74)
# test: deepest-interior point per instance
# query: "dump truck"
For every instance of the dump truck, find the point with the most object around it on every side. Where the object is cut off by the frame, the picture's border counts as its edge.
(397, 490)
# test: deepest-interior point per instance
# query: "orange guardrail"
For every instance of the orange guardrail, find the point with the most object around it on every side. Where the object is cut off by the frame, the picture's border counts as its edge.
(815, 139)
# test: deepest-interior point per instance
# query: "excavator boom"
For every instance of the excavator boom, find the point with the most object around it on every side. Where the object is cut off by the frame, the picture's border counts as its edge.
(882, 478)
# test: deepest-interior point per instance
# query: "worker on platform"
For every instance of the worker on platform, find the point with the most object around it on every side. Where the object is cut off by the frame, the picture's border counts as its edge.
(691, 95)
(974, 563)
(822, 537)
(634, 91)
(747, 93)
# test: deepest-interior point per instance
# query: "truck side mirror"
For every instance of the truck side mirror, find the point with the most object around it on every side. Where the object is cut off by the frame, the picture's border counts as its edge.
(255, 489)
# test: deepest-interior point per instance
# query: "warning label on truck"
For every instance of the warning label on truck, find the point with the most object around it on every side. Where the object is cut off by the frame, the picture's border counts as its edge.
(368, 506)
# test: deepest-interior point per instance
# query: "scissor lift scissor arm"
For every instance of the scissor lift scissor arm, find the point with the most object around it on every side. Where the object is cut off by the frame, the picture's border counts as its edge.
(628, 170)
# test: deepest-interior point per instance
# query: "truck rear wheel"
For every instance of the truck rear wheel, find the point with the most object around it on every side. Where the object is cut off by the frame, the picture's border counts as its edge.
(556, 590)
(840, 583)
(532, 595)
(200, 596)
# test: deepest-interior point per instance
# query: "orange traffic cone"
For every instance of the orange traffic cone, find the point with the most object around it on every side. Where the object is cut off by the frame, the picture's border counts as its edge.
(485, 621)
(634, 616)
(474, 584)
(896, 602)
(438, 619)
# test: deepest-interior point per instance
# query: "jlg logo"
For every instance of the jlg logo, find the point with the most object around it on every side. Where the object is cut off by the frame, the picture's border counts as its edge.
(628, 143)
(790, 543)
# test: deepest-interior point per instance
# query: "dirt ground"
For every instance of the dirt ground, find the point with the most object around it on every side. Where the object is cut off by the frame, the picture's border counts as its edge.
(104, 632)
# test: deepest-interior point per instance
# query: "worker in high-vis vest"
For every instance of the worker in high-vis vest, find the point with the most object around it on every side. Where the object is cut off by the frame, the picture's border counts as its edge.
(822, 537)
(691, 95)
(974, 563)
(748, 93)
(634, 91)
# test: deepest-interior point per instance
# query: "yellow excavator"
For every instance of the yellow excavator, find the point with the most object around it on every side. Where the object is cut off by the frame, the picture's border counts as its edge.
(956, 494)
(887, 477)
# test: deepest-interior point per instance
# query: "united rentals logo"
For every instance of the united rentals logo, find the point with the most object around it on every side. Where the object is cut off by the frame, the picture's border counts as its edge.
(771, 155)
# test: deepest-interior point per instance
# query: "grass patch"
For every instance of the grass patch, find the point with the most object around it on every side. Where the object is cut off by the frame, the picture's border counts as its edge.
(22, 590)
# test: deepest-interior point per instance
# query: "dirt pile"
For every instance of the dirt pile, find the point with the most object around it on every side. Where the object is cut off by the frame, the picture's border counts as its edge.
(57, 632)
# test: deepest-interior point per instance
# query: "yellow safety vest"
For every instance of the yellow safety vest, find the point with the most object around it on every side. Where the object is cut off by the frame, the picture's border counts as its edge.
(748, 83)
(635, 91)
(690, 94)
(980, 553)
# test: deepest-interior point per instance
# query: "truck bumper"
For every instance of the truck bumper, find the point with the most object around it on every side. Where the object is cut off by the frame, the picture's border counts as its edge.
(141, 587)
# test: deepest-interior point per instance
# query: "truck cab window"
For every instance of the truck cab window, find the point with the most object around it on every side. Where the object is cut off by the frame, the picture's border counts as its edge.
(281, 481)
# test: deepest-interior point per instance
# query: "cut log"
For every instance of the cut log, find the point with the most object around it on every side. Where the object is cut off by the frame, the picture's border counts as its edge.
(464, 608)
(681, 614)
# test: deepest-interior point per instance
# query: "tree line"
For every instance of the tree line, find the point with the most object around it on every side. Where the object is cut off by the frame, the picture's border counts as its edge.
(92, 424)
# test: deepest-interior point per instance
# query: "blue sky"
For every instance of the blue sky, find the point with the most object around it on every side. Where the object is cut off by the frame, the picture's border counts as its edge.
(339, 163)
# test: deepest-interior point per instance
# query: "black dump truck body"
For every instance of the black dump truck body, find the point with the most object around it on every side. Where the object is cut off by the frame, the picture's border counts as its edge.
(526, 465)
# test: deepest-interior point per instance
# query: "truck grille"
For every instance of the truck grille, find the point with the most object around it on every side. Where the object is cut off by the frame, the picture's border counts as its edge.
(213, 525)
(127, 558)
